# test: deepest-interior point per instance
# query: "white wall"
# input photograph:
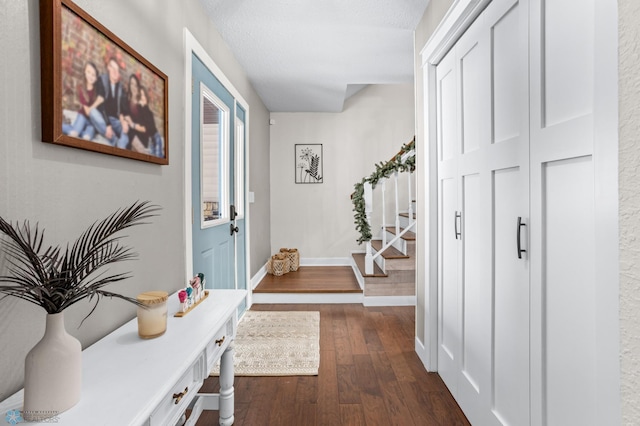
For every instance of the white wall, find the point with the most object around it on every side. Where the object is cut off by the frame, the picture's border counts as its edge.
(318, 218)
(629, 208)
(66, 189)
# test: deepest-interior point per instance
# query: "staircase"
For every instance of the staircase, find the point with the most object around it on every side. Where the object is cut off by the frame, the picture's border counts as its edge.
(386, 268)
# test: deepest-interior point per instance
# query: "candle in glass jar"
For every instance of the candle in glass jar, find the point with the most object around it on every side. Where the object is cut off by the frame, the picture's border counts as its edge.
(152, 317)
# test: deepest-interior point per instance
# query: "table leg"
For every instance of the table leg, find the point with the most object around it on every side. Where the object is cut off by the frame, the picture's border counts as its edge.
(226, 387)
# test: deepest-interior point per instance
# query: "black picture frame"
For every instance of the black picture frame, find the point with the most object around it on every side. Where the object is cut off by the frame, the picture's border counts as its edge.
(308, 163)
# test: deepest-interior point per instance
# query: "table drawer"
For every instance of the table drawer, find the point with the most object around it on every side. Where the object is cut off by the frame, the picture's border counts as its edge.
(181, 394)
(220, 342)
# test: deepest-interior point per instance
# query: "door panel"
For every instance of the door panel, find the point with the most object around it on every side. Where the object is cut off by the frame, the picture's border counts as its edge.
(448, 279)
(474, 292)
(507, 75)
(492, 293)
(449, 333)
(573, 341)
(447, 109)
(568, 288)
(472, 51)
(510, 352)
(567, 59)
(508, 163)
(472, 94)
(212, 118)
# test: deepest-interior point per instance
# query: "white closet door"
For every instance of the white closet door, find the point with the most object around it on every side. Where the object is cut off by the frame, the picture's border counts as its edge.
(448, 223)
(508, 164)
(484, 340)
(472, 53)
(574, 308)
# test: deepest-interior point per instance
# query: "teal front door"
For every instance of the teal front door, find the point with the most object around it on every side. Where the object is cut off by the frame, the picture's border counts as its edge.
(217, 177)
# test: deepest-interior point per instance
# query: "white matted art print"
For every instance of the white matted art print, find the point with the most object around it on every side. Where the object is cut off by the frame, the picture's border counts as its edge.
(308, 161)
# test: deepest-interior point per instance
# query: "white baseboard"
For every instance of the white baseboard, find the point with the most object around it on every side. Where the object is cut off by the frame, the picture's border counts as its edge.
(422, 353)
(255, 280)
(307, 298)
(389, 301)
(324, 261)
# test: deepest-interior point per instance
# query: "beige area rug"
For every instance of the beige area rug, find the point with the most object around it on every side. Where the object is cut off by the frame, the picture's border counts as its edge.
(271, 343)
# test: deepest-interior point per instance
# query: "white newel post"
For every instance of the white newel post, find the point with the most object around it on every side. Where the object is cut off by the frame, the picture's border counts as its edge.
(368, 208)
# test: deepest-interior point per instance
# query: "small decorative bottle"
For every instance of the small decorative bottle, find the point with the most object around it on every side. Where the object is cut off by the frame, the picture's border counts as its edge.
(184, 301)
(190, 295)
(195, 284)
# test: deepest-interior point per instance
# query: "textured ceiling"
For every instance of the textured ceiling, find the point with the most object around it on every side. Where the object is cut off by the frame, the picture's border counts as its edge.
(310, 55)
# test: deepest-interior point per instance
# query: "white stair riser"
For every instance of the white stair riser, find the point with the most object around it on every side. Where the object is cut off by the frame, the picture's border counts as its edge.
(400, 245)
(380, 262)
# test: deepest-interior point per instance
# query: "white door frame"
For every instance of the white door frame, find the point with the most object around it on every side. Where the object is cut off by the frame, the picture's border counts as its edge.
(459, 17)
(192, 46)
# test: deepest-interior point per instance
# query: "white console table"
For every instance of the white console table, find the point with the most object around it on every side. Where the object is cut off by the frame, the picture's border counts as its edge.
(130, 381)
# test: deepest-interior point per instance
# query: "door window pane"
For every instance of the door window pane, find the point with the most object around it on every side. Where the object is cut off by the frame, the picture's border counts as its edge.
(214, 147)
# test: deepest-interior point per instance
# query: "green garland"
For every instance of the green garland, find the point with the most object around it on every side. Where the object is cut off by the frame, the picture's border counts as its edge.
(383, 170)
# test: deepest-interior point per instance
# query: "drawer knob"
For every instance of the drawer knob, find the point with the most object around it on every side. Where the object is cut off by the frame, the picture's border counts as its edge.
(178, 396)
(219, 342)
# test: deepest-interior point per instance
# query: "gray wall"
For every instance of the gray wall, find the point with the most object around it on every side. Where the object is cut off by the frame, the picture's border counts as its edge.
(66, 189)
(629, 207)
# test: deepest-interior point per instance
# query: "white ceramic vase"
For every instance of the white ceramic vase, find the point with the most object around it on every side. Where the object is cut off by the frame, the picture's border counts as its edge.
(52, 372)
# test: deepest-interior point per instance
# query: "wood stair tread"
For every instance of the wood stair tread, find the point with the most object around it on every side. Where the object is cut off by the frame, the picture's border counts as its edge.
(359, 258)
(406, 215)
(390, 253)
(409, 236)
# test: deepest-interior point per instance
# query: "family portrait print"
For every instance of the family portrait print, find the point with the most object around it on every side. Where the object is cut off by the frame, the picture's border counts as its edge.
(110, 99)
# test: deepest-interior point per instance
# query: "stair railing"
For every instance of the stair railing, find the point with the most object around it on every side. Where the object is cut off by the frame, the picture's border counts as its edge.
(362, 198)
(370, 257)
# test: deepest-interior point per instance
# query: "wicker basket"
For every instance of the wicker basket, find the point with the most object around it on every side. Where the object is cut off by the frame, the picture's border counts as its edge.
(278, 264)
(294, 258)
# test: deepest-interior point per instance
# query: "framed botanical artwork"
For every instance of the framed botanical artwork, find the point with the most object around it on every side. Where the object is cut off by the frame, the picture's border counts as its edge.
(98, 93)
(308, 163)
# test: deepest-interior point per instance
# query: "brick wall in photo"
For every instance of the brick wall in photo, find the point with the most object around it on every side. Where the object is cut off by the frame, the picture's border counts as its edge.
(82, 43)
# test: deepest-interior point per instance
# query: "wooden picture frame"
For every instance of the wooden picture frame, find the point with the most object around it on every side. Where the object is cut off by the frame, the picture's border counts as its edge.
(98, 93)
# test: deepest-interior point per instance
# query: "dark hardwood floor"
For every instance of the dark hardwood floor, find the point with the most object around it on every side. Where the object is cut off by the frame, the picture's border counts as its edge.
(311, 279)
(369, 375)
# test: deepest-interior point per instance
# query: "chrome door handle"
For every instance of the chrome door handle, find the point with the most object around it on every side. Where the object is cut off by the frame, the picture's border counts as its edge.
(458, 215)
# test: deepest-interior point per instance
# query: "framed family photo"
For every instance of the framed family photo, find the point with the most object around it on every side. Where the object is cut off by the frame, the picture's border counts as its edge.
(98, 93)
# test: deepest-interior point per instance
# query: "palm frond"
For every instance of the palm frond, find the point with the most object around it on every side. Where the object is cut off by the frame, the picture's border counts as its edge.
(56, 279)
